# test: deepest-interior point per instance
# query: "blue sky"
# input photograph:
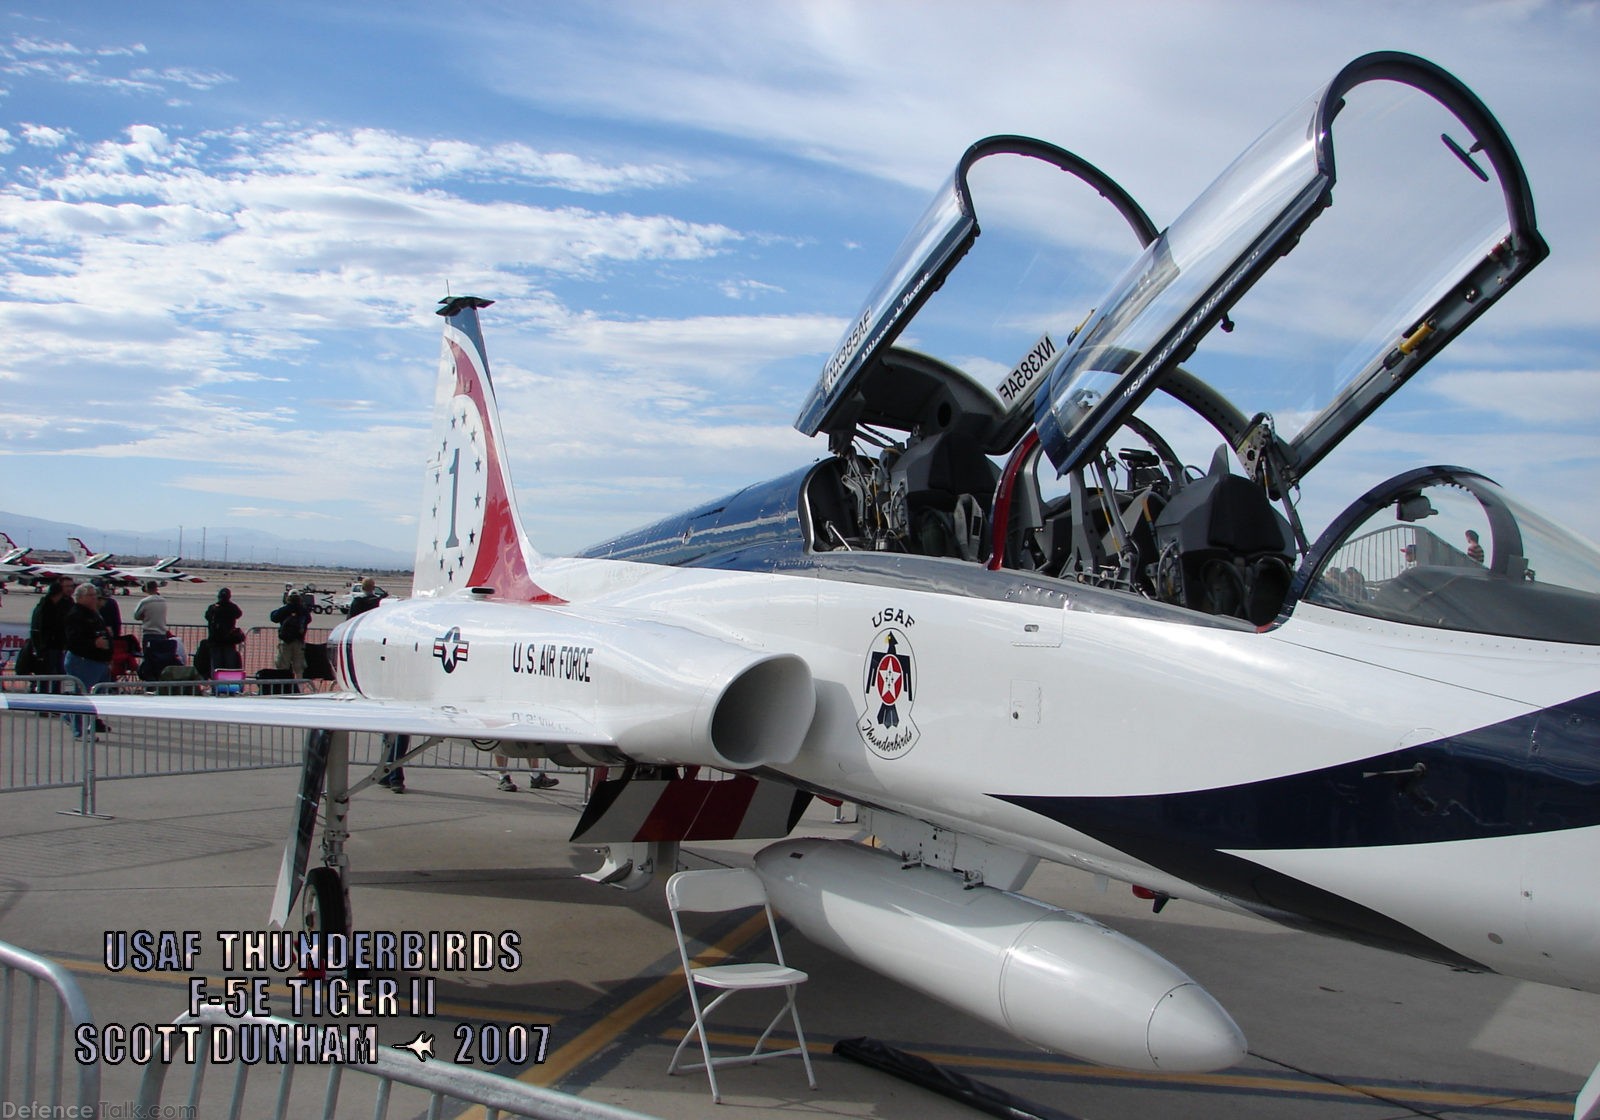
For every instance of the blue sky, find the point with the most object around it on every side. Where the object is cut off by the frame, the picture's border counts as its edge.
(225, 228)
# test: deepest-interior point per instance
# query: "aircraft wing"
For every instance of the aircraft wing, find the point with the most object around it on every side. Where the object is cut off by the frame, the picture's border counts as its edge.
(336, 711)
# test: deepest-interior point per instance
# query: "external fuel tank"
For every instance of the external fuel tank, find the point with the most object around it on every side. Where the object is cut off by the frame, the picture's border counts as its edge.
(1051, 977)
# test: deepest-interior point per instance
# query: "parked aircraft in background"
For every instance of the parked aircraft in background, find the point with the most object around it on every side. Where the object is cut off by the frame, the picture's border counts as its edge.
(81, 555)
(126, 577)
(1120, 650)
(13, 564)
(47, 570)
(162, 571)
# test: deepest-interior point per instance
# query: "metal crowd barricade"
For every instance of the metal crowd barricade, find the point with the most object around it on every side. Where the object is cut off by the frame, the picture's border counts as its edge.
(25, 1038)
(41, 752)
(136, 748)
(394, 1079)
(260, 648)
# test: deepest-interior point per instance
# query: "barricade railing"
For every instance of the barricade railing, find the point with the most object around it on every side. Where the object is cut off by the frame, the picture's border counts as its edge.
(30, 1034)
(259, 651)
(392, 1080)
(45, 753)
(46, 750)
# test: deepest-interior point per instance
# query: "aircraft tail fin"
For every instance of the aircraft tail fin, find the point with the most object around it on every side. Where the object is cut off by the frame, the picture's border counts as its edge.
(469, 533)
(80, 551)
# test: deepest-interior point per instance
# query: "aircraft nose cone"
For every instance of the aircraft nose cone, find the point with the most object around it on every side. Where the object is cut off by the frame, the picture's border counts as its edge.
(1189, 1032)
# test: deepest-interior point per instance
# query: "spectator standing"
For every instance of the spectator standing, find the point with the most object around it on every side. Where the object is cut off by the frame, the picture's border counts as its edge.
(1474, 547)
(109, 611)
(223, 633)
(151, 614)
(369, 598)
(540, 779)
(293, 619)
(47, 629)
(88, 647)
(394, 749)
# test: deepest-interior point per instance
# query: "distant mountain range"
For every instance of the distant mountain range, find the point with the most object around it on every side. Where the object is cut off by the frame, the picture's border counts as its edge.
(211, 545)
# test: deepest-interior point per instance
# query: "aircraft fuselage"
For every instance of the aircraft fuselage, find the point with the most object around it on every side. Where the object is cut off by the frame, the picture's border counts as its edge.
(1347, 774)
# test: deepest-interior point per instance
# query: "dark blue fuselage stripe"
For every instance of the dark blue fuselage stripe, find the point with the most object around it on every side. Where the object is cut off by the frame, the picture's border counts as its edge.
(1538, 772)
(347, 655)
(1534, 773)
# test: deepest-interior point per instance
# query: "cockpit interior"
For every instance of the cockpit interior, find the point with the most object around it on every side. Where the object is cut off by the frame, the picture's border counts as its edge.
(1153, 432)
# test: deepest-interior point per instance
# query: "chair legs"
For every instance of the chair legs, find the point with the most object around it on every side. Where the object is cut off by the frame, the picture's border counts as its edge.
(710, 1063)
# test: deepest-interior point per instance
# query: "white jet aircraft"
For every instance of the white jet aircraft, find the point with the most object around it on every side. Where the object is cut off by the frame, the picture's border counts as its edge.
(81, 555)
(162, 571)
(13, 565)
(1134, 660)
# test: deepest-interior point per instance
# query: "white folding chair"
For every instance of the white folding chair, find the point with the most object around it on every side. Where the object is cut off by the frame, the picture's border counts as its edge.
(714, 891)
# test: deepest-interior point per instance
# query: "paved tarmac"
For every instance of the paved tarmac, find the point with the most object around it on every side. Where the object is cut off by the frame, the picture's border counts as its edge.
(1335, 1030)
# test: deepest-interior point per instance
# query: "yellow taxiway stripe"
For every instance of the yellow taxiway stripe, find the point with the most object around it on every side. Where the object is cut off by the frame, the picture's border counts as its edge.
(566, 1058)
(1263, 1084)
(570, 1055)
(590, 1042)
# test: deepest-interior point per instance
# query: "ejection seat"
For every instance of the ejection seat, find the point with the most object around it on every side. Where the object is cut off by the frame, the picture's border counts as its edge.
(949, 484)
(1223, 548)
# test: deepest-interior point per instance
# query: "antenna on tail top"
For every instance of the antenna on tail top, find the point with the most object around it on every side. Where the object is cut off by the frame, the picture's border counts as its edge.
(452, 305)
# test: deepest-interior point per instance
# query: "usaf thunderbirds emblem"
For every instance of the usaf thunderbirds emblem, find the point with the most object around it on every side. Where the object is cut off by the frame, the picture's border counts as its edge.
(890, 687)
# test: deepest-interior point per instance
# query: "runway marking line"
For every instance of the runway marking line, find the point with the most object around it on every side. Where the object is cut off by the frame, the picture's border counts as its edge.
(611, 1026)
(569, 1056)
(1260, 1084)
(589, 1042)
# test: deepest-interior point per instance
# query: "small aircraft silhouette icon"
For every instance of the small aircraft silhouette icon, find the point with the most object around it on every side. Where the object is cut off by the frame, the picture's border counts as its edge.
(421, 1046)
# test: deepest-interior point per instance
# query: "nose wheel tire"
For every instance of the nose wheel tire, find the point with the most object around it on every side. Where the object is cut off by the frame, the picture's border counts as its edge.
(323, 908)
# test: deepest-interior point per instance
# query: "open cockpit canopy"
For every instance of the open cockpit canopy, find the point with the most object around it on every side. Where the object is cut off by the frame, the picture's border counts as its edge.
(938, 348)
(1377, 259)
(1343, 250)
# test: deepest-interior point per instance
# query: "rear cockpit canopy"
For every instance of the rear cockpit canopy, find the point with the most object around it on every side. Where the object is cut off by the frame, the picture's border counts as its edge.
(1333, 287)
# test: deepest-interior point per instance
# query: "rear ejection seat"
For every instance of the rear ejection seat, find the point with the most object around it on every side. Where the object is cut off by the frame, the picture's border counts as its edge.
(1234, 552)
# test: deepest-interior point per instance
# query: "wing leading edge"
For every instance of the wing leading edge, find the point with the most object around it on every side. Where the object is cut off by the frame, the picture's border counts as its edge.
(336, 712)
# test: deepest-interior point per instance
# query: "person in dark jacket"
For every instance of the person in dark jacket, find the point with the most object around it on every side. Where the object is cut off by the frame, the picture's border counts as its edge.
(293, 619)
(369, 598)
(47, 630)
(223, 633)
(88, 642)
(109, 611)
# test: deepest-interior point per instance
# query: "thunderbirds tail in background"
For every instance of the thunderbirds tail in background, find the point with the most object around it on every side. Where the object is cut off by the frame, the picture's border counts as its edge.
(1072, 614)
(81, 555)
(162, 571)
(12, 562)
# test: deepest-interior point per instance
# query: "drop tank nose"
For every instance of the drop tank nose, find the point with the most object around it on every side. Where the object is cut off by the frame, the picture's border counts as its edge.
(1189, 1030)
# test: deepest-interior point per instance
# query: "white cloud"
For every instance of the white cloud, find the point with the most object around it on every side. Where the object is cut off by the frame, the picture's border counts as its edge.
(712, 347)
(43, 136)
(1558, 397)
(749, 289)
(200, 80)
